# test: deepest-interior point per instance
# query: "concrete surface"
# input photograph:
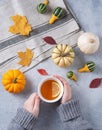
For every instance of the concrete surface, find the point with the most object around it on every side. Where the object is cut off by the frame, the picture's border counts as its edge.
(89, 14)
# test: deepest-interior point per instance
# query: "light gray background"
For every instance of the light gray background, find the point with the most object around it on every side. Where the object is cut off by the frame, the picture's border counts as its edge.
(89, 14)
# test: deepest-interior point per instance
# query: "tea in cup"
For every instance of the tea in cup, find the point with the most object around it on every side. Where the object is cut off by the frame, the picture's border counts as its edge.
(50, 89)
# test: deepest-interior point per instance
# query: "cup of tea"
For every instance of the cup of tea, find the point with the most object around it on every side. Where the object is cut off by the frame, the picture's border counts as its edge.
(50, 89)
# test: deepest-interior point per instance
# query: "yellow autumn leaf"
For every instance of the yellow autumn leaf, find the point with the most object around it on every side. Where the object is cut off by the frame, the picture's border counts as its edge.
(25, 57)
(21, 25)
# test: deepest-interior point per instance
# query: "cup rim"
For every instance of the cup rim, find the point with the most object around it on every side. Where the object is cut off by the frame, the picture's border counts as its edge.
(39, 87)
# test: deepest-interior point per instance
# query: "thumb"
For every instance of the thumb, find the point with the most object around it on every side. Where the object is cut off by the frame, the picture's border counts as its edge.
(36, 106)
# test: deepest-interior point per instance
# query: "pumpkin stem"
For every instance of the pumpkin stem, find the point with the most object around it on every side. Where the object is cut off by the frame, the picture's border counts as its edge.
(74, 78)
(65, 54)
(84, 69)
(15, 80)
(53, 19)
(92, 40)
(46, 2)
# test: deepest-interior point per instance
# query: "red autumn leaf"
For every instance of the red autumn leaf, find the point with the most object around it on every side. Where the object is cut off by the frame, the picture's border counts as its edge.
(42, 71)
(49, 40)
(95, 83)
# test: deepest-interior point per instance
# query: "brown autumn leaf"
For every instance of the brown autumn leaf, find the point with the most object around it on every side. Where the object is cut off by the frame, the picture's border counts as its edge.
(42, 71)
(25, 57)
(49, 40)
(95, 83)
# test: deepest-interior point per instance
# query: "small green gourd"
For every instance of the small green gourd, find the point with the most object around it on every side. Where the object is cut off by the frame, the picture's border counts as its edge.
(71, 75)
(88, 67)
(42, 7)
(57, 14)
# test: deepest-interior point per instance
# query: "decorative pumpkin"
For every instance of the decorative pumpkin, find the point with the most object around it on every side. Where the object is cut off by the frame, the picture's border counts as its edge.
(57, 14)
(88, 43)
(42, 7)
(71, 75)
(13, 81)
(88, 67)
(63, 55)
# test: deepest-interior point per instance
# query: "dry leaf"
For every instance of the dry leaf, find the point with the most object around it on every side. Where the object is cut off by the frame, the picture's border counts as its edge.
(26, 57)
(95, 83)
(49, 40)
(21, 25)
(42, 71)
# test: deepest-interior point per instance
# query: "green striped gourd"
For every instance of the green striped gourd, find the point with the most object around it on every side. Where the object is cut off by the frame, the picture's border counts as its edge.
(88, 67)
(42, 7)
(71, 75)
(57, 14)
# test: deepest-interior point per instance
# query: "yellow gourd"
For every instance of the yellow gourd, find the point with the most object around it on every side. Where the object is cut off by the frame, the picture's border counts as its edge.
(63, 55)
(58, 13)
(13, 81)
(71, 75)
(88, 67)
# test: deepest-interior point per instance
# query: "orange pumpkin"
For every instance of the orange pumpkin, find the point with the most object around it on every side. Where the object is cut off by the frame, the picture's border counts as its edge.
(13, 81)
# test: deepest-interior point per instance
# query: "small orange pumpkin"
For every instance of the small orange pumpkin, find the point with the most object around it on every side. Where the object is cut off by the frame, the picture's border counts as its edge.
(13, 81)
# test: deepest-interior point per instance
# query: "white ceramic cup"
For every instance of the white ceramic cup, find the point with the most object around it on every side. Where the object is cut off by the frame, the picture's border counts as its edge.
(61, 89)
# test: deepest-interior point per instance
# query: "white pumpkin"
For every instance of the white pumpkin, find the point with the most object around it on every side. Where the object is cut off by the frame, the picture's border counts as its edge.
(63, 55)
(88, 43)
